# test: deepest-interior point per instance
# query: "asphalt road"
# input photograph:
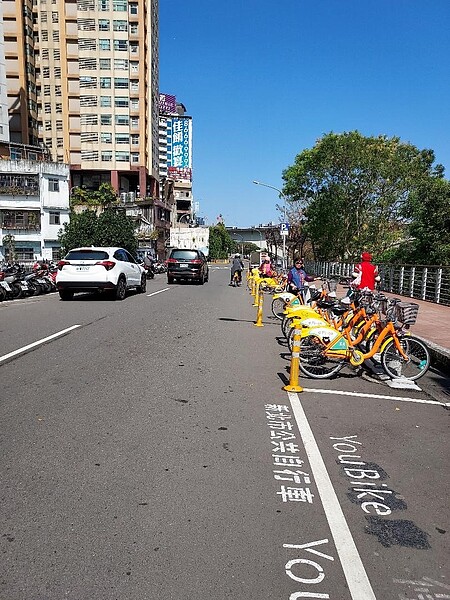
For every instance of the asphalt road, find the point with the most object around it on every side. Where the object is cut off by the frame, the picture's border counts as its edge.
(150, 452)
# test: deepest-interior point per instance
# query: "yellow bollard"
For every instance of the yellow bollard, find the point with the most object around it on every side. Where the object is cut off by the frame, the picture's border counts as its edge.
(256, 292)
(294, 370)
(259, 312)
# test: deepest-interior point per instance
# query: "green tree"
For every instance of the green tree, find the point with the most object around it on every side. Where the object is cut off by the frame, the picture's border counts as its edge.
(110, 228)
(220, 243)
(352, 191)
(428, 230)
(104, 196)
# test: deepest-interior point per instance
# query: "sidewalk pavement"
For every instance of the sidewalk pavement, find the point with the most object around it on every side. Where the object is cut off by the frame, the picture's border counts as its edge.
(432, 326)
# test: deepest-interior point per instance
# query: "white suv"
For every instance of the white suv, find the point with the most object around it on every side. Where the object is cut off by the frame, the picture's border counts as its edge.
(94, 269)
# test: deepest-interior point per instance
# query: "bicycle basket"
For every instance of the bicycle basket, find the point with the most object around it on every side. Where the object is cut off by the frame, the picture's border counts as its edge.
(406, 312)
(383, 306)
(332, 285)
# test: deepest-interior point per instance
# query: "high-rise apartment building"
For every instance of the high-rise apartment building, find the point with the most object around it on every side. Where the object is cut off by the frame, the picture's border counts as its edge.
(82, 80)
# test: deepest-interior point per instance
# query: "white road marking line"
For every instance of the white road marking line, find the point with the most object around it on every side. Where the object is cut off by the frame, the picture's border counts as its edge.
(38, 343)
(158, 292)
(354, 571)
(377, 396)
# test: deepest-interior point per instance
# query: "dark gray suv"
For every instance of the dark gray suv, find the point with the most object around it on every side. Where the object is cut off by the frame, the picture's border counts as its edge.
(187, 264)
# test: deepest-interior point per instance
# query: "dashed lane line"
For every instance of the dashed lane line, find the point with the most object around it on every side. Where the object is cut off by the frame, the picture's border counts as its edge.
(376, 396)
(29, 347)
(157, 292)
(354, 571)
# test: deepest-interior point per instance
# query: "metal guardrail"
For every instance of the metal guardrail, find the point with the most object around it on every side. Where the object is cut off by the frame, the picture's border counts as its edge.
(423, 282)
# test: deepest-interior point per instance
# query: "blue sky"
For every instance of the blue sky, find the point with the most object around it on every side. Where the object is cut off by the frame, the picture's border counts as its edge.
(264, 79)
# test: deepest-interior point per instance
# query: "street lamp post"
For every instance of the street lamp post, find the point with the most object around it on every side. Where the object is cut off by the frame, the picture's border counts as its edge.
(284, 215)
(260, 237)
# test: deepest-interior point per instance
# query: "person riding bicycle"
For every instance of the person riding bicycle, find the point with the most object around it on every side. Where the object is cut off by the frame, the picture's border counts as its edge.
(237, 267)
(297, 277)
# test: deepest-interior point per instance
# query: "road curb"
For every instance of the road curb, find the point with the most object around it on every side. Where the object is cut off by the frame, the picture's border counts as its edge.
(440, 357)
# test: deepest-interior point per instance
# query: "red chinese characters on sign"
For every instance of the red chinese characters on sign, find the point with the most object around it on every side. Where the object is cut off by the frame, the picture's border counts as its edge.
(180, 173)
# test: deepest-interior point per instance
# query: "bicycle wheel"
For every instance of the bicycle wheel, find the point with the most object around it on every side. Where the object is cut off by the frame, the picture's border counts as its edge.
(417, 364)
(278, 305)
(313, 361)
(286, 325)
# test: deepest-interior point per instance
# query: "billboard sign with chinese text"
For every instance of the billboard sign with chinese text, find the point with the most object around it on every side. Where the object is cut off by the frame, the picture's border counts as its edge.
(179, 142)
(167, 104)
(179, 173)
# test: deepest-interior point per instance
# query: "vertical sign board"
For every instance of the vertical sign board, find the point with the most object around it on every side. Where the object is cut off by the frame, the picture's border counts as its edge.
(284, 228)
(179, 138)
(167, 104)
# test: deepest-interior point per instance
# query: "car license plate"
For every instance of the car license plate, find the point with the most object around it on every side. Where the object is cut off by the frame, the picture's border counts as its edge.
(84, 268)
(183, 266)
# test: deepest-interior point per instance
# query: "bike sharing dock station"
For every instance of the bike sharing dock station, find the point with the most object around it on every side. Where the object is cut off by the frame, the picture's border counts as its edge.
(326, 334)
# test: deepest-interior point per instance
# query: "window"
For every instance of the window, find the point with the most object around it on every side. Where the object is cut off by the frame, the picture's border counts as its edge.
(105, 82)
(134, 28)
(121, 64)
(134, 103)
(53, 185)
(121, 83)
(122, 119)
(43, 17)
(90, 137)
(107, 156)
(59, 125)
(123, 156)
(134, 48)
(88, 44)
(106, 138)
(134, 122)
(122, 138)
(47, 108)
(103, 5)
(104, 44)
(55, 17)
(105, 64)
(55, 36)
(134, 138)
(121, 102)
(89, 119)
(55, 218)
(133, 9)
(134, 157)
(121, 45)
(22, 253)
(103, 24)
(120, 5)
(47, 90)
(105, 101)
(105, 120)
(21, 219)
(56, 54)
(88, 100)
(120, 25)
(87, 64)
(86, 24)
(88, 82)
(15, 154)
